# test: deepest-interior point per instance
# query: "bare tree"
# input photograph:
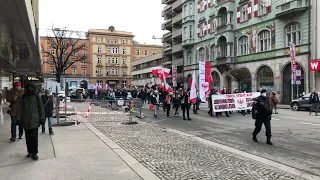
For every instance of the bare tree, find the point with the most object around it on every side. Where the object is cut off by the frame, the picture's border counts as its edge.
(241, 75)
(64, 47)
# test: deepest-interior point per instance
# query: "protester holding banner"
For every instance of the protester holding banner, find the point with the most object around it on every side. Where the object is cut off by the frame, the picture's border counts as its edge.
(263, 113)
(224, 91)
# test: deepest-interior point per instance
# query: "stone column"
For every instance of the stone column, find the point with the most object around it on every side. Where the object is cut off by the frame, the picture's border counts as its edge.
(228, 17)
(228, 50)
(253, 82)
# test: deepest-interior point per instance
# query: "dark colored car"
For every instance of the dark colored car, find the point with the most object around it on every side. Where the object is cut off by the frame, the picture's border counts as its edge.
(301, 103)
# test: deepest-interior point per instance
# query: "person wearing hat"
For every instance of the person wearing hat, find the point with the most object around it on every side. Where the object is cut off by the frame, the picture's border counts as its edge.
(262, 114)
(14, 97)
(31, 112)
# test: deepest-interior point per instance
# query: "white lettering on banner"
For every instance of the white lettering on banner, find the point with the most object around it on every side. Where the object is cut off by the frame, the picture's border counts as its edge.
(314, 65)
(233, 102)
(202, 81)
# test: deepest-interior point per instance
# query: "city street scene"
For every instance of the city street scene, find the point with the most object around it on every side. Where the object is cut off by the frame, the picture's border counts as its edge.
(159, 90)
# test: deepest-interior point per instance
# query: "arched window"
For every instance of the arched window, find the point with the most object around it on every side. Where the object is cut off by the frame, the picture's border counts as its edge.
(201, 54)
(189, 58)
(212, 50)
(243, 46)
(293, 34)
(264, 41)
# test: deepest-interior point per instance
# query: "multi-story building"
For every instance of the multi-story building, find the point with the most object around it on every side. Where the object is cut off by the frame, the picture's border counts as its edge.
(77, 74)
(111, 57)
(143, 50)
(252, 38)
(142, 68)
(19, 41)
(173, 52)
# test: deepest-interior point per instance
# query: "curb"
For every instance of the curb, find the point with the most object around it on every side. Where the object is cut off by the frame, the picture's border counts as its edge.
(135, 165)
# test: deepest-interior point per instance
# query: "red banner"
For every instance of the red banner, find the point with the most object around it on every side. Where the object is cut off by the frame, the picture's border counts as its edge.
(315, 65)
(208, 73)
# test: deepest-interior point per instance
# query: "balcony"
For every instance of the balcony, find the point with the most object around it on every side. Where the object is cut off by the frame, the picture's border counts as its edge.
(291, 8)
(223, 60)
(167, 25)
(187, 42)
(177, 6)
(224, 28)
(177, 33)
(167, 51)
(177, 48)
(167, 37)
(177, 19)
(124, 66)
(167, 11)
(99, 65)
(187, 18)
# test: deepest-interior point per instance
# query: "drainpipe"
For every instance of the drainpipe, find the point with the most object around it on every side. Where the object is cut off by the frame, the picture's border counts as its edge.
(309, 46)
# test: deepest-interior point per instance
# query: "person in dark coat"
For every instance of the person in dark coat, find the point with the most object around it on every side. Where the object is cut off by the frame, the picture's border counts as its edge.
(177, 101)
(224, 91)
(185, 104)
(48, 110)
(31, 112)
(210, 112)
(261, 112)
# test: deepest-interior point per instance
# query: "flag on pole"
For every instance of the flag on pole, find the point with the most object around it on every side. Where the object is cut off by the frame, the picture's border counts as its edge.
(193, 93)
(161, 72)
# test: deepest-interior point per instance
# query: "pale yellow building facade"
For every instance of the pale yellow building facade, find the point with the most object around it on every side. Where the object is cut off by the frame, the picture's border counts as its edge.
(143, 50)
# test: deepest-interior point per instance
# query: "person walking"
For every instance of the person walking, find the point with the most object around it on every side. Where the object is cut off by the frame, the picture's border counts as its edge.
(168, 103)
(142, 97)
(48, 110)
(177, 101)
(32, 114)
(314, 101)
(14, 97)
(273, 102)
(210, 112)
(262, 112)
(155, 102)
(224, 91)
(185, 104)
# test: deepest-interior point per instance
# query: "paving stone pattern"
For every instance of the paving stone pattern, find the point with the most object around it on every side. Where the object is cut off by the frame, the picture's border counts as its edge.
(171, 156)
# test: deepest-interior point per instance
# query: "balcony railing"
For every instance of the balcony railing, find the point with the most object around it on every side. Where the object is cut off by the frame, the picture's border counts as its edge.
(292, 7)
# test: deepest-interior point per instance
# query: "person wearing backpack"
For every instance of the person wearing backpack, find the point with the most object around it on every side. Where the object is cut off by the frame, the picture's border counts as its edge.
(31, 113)
(262, 114)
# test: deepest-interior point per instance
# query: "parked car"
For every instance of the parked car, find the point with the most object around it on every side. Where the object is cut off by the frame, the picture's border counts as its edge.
(301, 103)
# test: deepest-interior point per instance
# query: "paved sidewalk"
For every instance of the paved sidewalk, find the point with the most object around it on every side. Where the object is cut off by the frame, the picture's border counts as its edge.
(73, 153)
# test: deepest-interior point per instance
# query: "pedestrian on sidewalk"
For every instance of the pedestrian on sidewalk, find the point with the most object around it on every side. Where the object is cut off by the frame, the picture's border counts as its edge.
(48, 110)
(262, 112)
(31, 112)
(314, 101)
(14, 97)
(273, 102)
(185, 104)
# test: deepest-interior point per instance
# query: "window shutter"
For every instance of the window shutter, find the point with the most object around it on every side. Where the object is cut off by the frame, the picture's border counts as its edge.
(268, 6)
(238, 14)
(199, 30)
(204, 4)
(209, 26)
(255, 8)
(205, 28)
(199, 9)
(249, 10)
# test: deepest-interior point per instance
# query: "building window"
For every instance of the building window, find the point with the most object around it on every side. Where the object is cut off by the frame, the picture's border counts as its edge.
(52, 70)
(109, 50)
(98, 39)
(99, 83)
(212, 52)
(99, 59)
(124, 84)
(189, 57)
(201, 5)
(99, 49)
(201, 55)
(124, 41)
(109, 60)
(202, 29)
(111, 41)
(146, 52)
(124, 51)
(138, 52)
(116, 60)
(84, 44)
(99, 71)
(185, 32)
(73, 53)
(84, 53)
(190, 9)
(51, 60)
(84, 71)
(84, 62)
(243, 46)
(114, 50)
(74, 71)
(117, 71)
(124, 61)
(108, 71)
(53, 52)
(185, 10)
(262, 7)
(190, 32)
(293, 34)
(115, 41)
(112, 60)
(112, 71)
(124, 72)
(264, 41)
(244, 13)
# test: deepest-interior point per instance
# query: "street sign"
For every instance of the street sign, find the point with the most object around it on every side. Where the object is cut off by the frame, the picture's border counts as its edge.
(298, 82)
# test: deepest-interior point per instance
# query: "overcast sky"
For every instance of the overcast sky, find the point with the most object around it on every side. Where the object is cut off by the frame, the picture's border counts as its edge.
(141, 17)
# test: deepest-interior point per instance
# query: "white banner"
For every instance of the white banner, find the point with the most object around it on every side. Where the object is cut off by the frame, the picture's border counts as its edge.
(203, 86)
(174, 75)
(233, 102)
